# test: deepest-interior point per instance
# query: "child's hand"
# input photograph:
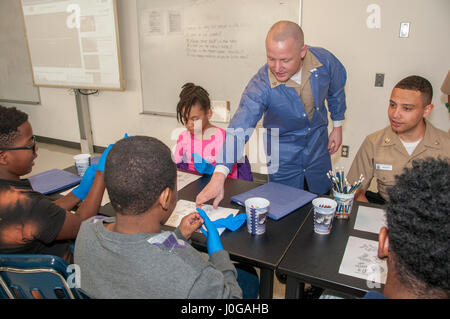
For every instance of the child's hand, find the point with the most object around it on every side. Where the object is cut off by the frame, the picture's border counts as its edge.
(82, 190)
(213, 242)
(102, 160)
(189, 224)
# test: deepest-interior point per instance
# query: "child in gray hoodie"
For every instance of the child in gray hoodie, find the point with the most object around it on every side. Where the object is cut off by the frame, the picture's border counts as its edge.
(128, 256)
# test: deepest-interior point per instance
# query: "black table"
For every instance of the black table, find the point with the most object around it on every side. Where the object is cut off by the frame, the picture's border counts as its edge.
(262, 251)
(315, 259)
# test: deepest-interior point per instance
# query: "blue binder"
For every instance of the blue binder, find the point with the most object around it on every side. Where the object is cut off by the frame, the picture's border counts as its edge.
(283, 199)
(53, 181)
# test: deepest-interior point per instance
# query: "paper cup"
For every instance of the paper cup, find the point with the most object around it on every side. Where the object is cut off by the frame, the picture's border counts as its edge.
(324, 209)
(82, 162)
(256, 209)
(344, 204)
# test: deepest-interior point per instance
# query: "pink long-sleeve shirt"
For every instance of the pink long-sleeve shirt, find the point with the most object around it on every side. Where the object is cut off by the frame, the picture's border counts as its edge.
(208, 149)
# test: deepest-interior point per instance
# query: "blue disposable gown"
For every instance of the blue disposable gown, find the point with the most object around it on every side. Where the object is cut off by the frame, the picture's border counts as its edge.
(302, 148)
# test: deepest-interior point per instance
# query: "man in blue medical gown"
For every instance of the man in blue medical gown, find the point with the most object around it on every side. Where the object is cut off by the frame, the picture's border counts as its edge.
(290, 92)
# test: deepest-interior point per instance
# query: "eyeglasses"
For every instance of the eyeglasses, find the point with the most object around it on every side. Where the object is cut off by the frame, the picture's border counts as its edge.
(27, 147)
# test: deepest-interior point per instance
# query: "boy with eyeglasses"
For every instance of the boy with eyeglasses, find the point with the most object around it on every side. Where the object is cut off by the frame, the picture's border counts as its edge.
(30, 223)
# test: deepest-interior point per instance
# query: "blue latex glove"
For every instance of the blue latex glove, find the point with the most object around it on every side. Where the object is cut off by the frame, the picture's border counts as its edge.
(102, 160)
(213, 242)
(83, 189)
(231, 222)
(201, 165)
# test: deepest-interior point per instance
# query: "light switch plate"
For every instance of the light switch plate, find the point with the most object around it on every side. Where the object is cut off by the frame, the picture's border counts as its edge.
(404, 29)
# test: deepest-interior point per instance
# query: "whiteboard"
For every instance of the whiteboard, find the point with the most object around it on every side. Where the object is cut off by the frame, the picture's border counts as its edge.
(216, 44)
(74, 43)
(16, 80)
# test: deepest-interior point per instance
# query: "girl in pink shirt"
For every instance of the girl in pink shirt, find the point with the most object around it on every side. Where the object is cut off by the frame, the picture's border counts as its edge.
(201, 137)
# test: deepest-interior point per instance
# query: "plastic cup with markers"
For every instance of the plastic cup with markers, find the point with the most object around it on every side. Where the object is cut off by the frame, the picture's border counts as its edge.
(324, 209)
(256, 209)
(82, 162)
(343, 192)
(344, 204)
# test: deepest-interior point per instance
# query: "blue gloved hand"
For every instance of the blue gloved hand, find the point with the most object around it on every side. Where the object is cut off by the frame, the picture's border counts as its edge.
(213, 242)
(231, 222)
(102, 160)
(83, 189)
(201, 165)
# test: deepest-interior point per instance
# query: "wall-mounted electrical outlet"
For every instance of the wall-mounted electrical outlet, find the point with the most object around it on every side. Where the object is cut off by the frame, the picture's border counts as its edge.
(379, 80)
(345, 150)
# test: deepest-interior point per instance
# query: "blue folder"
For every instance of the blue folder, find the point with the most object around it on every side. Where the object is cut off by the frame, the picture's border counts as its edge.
(283, 199)
(53, 181)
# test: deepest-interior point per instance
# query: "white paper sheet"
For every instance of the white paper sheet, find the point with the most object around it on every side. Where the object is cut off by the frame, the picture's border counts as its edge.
(105, 198)
(361, 260)
(185, 207)
(370, 219)
(184, 179)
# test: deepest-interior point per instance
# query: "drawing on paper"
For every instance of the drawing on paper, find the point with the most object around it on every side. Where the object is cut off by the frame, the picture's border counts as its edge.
(361, 260)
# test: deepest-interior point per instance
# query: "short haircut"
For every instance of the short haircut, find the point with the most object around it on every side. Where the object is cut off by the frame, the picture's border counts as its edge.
(10, 120)
(190, 95)
(417, 83)
(137, 170)
(418, 219)
(283, 30)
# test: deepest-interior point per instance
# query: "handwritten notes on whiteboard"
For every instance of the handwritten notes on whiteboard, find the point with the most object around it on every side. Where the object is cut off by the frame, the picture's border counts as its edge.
(226, 38)
(361, 260)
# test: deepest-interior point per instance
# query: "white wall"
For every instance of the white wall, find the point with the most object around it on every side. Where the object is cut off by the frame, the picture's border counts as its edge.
(339, 26)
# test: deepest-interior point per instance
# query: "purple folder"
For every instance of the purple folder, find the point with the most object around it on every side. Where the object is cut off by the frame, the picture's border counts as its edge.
(283, 199)
(53, 181)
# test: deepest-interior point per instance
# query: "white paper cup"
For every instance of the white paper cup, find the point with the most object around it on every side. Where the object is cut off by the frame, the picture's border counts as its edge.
(82, 162)
(324, 209)
(344, 204)
(256, 209)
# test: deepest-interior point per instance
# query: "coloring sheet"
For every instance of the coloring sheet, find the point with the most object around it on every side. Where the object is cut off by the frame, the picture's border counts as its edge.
(361, 260)
(185, 207)
(184, 179)
(370, 219)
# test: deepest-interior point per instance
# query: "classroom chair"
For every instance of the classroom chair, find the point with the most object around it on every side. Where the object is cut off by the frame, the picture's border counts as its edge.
(36, 277)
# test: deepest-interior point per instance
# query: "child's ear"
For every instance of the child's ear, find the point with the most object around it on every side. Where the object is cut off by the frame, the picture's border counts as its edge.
(383, 243)
(164, 198)
(3, 158)
(209, 114)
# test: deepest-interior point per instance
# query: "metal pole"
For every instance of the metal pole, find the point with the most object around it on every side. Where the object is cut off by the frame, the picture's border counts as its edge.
(84, 123)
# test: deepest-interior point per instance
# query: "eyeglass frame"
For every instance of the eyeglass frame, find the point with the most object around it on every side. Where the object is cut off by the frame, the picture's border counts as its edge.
(27, 147)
